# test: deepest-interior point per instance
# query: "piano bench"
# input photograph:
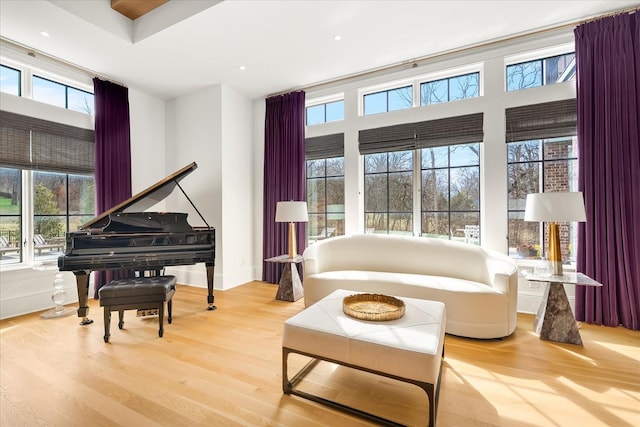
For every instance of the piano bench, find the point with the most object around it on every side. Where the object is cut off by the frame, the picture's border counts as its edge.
(140, 293)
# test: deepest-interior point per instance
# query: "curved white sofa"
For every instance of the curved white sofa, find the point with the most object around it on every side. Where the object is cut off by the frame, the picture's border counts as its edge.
(478, 287)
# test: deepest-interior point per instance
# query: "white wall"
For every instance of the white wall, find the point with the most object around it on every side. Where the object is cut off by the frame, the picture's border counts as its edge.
(493, 102)
(210, 127)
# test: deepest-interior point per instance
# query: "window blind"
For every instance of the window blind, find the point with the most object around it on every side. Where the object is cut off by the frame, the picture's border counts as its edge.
(324, 147)
(31, 143)
(409, 136)
(539, 121)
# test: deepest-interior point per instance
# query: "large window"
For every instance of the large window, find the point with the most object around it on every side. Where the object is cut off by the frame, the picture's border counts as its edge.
(544, 165)
(544, 71)
(61, 203)
(60, 95)
(450, 89)
(46, 185)
(388, 192)
(436, 160)
(450, 191)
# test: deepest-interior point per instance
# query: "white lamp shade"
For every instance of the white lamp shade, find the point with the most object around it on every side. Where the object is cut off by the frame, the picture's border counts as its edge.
(292, 212)
(555, 207)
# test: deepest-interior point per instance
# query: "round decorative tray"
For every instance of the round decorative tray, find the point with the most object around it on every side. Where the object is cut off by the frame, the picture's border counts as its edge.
(373, 307)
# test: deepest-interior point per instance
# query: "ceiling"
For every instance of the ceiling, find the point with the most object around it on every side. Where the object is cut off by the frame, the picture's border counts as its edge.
(185, 45)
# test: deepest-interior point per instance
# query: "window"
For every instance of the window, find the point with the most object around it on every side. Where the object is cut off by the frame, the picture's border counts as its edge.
(327, 112)
(545, 71)
(61, 203)
(446, 174)
(325, 198)
(325, 186)
(450, 181)
(10, 216)
(388, 100)
(10, 80)
(545, 165)
(450, 89)
(388, 192)
(53, 164)
(541, 156)
(60, 95)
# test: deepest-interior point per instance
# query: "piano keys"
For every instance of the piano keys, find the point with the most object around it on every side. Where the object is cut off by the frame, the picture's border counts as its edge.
(127, 237)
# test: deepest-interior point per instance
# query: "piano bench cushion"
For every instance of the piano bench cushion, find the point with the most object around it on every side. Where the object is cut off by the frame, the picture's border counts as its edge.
(137, 290)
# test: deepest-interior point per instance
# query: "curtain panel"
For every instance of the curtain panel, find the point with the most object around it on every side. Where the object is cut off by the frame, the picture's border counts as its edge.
(112, 156)
(608, 94)
(284, 175)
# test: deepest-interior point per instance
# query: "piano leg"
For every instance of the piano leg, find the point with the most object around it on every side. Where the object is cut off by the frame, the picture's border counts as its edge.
(210, 298)
(82, 283)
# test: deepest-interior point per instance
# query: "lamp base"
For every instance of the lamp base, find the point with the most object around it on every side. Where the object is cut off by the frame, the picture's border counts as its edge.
(293, 242)
(554, 253)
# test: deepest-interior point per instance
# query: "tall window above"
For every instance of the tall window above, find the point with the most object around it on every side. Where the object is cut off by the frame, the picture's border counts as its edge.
(539, 72)
(388, 100)
(61, 95)
(450, 89)
(10, 80)
(324, 113)
(325, 186)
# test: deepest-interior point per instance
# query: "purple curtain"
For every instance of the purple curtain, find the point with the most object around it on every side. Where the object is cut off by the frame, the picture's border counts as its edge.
(284, 175)
(113, 155)
(608, 92)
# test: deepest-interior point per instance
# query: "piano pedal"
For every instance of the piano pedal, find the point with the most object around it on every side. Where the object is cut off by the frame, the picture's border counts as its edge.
(147, 312)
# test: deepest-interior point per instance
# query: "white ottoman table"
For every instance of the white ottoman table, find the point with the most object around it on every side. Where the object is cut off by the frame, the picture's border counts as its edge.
(409, 349)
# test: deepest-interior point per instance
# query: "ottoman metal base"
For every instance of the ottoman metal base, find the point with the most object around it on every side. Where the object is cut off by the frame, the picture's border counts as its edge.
(288, 387)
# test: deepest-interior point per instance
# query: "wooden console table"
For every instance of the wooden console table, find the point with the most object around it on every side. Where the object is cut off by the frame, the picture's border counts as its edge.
(555, 320)
(290, 286)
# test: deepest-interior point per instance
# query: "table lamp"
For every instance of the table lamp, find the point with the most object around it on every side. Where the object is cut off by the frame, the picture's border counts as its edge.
(555, 207)
(292, 212)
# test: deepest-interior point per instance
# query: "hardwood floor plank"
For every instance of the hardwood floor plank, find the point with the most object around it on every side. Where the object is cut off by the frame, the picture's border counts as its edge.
(223, 368)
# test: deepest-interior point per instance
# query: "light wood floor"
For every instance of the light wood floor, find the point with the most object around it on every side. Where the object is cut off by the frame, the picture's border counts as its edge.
(223, 368)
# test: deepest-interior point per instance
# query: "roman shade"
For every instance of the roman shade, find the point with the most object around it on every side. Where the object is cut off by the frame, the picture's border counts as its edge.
(324, 147)
(431, 133)
(541, 121)
(31, 143)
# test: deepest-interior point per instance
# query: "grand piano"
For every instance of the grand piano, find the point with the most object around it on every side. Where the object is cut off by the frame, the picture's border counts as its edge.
(127, 237)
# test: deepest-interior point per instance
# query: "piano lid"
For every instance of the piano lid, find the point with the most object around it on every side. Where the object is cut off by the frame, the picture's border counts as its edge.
(144, 199)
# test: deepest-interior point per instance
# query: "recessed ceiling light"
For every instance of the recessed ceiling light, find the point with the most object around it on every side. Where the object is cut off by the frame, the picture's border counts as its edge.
(337, 37)
(242, 68)
(45, 34)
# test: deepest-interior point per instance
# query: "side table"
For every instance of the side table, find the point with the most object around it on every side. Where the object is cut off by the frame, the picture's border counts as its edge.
(290, 286)
(555, 320)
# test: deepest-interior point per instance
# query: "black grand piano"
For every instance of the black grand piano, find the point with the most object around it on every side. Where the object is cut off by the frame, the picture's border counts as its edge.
(126, 237)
